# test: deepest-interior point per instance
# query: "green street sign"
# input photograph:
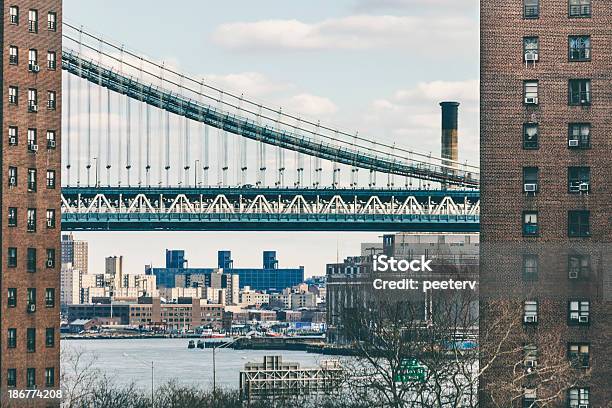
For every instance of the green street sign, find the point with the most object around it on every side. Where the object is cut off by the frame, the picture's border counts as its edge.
(411, 370)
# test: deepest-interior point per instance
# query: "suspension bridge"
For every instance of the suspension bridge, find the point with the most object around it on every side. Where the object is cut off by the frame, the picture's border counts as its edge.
(146, 147)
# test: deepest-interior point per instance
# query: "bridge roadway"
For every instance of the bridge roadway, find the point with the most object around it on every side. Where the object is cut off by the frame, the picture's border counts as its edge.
(268, 209)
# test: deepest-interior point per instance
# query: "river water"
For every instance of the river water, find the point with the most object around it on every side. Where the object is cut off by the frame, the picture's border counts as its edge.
(129, 361)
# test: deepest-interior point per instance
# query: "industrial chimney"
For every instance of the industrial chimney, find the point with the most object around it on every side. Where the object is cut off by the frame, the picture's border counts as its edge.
(450, 149)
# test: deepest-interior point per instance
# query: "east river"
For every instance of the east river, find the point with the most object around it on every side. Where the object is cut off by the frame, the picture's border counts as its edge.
(129, 361)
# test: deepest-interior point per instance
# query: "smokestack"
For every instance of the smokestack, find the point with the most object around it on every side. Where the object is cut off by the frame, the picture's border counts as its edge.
(450, 150)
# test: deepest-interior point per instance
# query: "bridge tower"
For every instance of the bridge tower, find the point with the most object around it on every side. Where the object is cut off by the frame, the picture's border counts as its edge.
(30, 198)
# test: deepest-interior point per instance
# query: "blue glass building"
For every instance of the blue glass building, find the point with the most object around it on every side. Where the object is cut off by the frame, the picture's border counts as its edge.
(269, 278)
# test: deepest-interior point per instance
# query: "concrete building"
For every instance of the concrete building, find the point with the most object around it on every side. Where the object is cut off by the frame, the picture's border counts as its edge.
(70, 285)
(75, 252)
(113, 267)
(545, 195)
(30, 150)
(250, 297)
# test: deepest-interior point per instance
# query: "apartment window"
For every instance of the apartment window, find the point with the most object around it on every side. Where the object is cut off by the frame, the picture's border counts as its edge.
(12, 216)
(50, 337)
(51, 141)
(578, 312)
(11, 298)
(579, 135)
(13, 134)
(530, 267)
(580, 8)
(531, 8)
(31, 179)
(49, 377)
(530, 223)
(11, 338)
(33, 60)
(13, 95)
(50, 178)
(12, 257)
(578, 354)
(530, 90)
(31, 260)
(32, 100)
(580, 48)
(11, 377)
(51, 102)
(530, 313)
(33, 21)
(578, 397)
(31, 300)
(531, 48)
(12, 176)
(31, 340)
(530, 352)
(31, 378)
(530, 396)
(578, 179)
(32, 138)
(578, 223)
(31, 227)
(580, 92)
(530, 179)
(14, 14)
(50, 218)
(13, 55)
(52, 21)
(578, 266)
(50, 258)
(51, 60)
(530, 135)
(50, 297)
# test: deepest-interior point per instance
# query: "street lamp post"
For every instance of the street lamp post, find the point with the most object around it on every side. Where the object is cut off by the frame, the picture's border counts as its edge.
(152, 375)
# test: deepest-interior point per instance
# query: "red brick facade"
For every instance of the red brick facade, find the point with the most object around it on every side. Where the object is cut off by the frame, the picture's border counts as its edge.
(506, 152)
(38, 360)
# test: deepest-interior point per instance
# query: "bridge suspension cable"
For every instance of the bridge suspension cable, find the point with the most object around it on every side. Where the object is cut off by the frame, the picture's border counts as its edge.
(298, 136)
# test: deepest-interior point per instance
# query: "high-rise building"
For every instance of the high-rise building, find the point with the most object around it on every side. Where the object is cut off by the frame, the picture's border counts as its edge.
(70, 285)
(546, 229)
(113, 268)
(30, 197)
(75, 252)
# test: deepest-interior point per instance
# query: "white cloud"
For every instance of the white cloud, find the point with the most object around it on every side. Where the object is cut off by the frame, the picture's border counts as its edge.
(311, 105)
(430, 35)
(415, 5)
(411, 117)
(254, 83)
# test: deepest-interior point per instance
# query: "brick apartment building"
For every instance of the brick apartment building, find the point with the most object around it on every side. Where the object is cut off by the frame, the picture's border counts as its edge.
(546, 226)
(30, 197)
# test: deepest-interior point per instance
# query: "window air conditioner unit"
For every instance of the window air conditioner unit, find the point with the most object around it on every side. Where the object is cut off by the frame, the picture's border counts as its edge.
(32, 308)
(583, 187)
(531, 100)
(531, 57)
(34, 108)
(35, 68)
(34, 147)
(530, 187)
(49, 223)
(12, 181)
(52, 144)
(573, 275)
(573, 143)
(531, 319)
(12, 140)
(583, 406)
(583, 319)
(49, 263)
(531, 363)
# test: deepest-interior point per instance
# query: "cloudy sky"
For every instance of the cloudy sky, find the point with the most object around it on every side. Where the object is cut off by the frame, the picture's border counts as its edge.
(376, 66)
